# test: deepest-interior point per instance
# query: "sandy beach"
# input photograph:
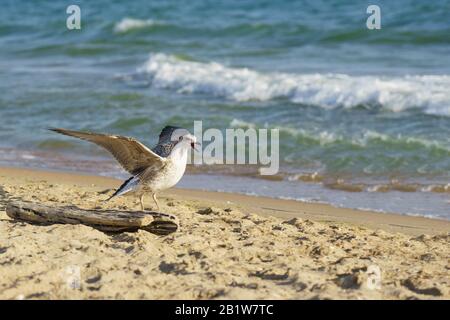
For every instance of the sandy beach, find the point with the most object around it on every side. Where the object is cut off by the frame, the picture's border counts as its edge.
(228, 246)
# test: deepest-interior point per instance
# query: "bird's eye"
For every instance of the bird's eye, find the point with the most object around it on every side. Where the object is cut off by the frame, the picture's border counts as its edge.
(180, 138)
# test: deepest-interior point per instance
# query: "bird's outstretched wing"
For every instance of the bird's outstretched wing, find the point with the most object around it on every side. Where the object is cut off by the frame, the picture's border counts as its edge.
(133, 156)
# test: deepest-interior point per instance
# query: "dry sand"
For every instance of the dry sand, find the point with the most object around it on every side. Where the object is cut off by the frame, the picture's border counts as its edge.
(240, 247)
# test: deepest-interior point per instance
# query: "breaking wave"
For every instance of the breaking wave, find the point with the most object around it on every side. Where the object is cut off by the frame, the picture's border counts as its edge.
(128, 24)
(428, 93)
(361, 139)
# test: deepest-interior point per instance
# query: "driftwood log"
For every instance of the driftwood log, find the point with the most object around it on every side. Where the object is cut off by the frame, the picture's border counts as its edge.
(104, 220)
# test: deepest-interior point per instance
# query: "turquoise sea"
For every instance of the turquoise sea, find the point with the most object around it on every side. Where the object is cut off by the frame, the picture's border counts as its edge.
(364, 115)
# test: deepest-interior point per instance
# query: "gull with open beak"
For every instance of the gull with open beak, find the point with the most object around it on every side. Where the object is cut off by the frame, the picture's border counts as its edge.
(152, 170)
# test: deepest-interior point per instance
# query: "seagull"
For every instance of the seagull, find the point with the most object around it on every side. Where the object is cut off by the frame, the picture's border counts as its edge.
(152, 170)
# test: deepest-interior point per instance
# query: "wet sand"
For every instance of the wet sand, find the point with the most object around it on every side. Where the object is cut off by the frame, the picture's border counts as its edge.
(228, 246)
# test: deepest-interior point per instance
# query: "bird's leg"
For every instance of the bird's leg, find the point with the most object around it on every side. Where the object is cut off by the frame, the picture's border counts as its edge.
(142, 202)
(156, 201)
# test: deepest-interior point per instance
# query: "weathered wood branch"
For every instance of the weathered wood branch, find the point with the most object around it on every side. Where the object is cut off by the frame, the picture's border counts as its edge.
(104, 220)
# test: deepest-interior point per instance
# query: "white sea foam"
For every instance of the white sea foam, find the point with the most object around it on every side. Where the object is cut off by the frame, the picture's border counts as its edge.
(430, 93)
(127, 24)
(236, 123)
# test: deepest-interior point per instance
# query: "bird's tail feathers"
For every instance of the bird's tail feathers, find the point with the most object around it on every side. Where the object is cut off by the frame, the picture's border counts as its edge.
(126, 187)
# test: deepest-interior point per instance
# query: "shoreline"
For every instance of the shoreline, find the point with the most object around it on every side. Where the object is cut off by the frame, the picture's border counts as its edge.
(405, 196)
(265, 206)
